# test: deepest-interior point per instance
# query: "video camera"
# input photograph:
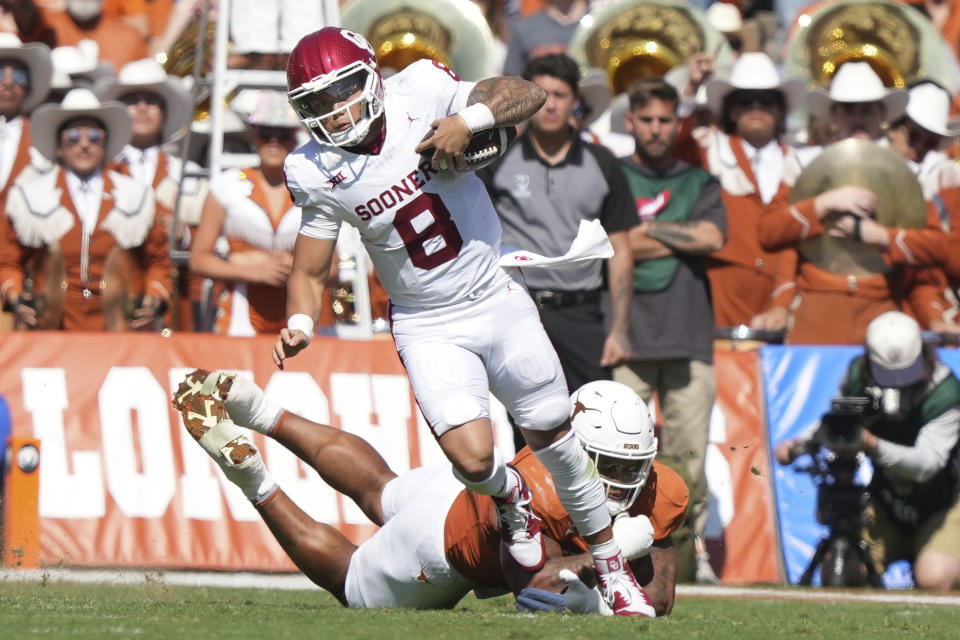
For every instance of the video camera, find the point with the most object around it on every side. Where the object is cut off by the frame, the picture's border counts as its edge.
(840, 497)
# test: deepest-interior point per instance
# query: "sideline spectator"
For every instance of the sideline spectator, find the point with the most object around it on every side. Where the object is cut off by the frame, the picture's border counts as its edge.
(118, 41)
(160, 109)
(27, 71)
(543, 32)
(856, 106)
(263, 31)
(749, 285)
(253, 210)
(81, 248)
(548, 182)
(671, 320)
(920, 135)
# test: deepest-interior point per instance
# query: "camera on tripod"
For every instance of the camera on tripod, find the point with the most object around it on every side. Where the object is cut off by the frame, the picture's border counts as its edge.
(842, 555)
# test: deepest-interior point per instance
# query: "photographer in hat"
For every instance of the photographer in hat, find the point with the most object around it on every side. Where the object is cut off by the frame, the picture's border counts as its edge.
(911, 436)
(856, 106)
(160, 109)
(25, 82)
(82, 249)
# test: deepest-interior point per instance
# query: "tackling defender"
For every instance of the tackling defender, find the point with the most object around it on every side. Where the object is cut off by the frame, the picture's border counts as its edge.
(462, 326)
(437, 540)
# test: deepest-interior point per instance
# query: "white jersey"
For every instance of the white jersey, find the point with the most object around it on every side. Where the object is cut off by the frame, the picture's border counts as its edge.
(434, 238)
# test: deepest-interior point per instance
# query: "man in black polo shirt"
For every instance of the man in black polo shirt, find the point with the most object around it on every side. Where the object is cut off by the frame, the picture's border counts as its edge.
(548, 182)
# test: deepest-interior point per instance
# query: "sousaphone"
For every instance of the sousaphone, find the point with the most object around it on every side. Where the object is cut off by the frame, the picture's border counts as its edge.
(453, 32)
(861, 163)
(640, 38)
(896, 40)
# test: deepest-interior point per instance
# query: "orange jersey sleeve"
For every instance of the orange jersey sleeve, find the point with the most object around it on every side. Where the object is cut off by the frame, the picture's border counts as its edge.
(663, 499)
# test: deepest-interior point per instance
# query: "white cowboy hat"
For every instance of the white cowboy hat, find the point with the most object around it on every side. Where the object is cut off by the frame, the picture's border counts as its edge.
(754, 71)
(856, 82)
(79, 65)
(148, 75)
(272, 109)
(724, 17)
(595, 91)
(80, 103)
(929, 107)
(36, 57)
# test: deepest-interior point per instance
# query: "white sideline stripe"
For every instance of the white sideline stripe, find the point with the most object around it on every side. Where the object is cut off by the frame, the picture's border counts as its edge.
(817, 594)
(298, 582)
(283, 581)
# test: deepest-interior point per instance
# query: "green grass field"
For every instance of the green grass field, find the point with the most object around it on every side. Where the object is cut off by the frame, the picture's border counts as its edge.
(158, 610)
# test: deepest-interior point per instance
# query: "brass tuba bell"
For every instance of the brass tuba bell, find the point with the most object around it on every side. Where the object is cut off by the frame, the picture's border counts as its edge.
(898, 42)
(639, 38)
(453, 32)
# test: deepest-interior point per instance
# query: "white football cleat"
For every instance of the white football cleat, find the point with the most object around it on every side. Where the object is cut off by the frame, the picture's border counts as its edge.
(519, 528)
(620, 588)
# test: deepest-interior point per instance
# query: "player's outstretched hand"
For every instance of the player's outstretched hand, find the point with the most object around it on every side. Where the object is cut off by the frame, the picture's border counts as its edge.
(289, 343)
(578, 598)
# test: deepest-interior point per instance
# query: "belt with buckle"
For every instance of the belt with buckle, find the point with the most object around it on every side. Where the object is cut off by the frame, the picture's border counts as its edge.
(559, 299)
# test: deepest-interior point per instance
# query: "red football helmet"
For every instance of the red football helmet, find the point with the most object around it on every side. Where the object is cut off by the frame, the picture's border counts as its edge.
(330, 71)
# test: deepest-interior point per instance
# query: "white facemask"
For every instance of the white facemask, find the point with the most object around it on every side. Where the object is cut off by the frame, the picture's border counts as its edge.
(83, 10)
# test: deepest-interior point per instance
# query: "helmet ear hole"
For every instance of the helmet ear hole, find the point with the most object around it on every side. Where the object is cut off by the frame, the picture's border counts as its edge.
(616, 429)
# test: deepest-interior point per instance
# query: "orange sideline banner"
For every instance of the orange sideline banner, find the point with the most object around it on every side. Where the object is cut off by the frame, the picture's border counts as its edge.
(123, 484)
(740, 531)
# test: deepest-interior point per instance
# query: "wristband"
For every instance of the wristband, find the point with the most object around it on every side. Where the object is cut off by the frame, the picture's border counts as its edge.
(301, 322)
(478, 117)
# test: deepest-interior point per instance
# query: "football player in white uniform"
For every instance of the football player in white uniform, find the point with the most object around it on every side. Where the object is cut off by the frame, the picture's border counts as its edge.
(462, 326)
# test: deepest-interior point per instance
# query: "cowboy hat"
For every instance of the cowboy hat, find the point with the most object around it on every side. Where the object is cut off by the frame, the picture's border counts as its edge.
(272, 109)
(856, 82)
(147, 75)
(79, 65)
(754, 71)
(80, 103)
(36, 57)
(929, 107)
(724, 17)
(595, 92)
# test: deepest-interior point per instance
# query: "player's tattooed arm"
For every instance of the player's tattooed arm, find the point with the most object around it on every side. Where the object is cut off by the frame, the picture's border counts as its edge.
(511, 99)
(657, 574)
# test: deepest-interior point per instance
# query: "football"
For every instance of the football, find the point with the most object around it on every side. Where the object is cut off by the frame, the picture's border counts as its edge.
(484, 148)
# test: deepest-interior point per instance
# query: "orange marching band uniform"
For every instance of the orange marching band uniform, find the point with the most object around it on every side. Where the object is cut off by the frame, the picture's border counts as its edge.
(247, 308)
(127, 248)
(745, 278)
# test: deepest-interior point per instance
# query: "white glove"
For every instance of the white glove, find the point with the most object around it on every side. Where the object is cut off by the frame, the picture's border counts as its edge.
(578, 598)
(633, 534)
(581, 598)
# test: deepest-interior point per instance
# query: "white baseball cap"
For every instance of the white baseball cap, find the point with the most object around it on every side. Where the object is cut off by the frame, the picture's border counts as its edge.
(895, 350)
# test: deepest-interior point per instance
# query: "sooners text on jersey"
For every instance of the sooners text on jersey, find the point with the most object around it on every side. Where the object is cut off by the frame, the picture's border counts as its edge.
(434, 238)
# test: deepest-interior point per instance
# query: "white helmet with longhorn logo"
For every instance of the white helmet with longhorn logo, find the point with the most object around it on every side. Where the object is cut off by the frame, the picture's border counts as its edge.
(615, 427)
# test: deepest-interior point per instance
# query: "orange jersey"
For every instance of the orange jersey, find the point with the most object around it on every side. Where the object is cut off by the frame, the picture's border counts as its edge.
(472, 539)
